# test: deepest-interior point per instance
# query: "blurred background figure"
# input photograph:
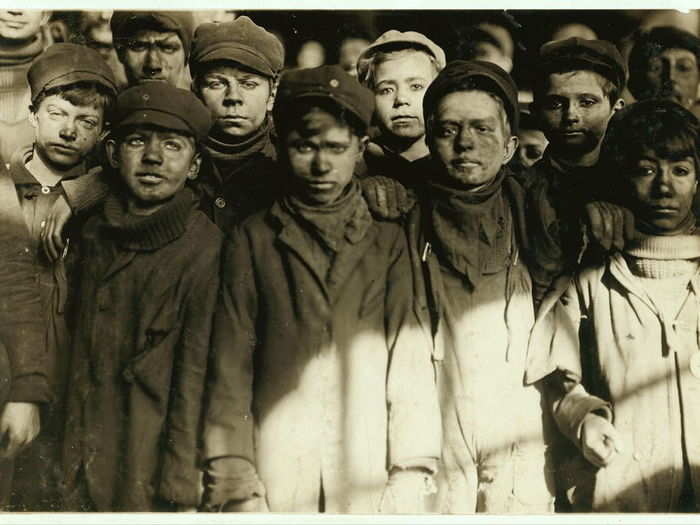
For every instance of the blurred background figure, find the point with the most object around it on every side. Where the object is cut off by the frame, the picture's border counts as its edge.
(475, 43)
(349, 51)
(96, 33)
(502, 34)
(214, 16)
(23, 36)
(572, 30)
(311, 54)
(663, 63)
(531, 146)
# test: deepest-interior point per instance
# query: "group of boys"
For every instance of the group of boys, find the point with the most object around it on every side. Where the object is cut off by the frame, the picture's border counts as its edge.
(234, 280)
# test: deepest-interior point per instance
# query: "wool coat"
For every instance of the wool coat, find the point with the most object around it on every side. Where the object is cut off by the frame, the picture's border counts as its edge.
(323, 382)
(147, 296)
(604, 347)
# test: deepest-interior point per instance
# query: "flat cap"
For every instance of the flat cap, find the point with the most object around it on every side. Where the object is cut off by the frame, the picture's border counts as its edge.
(63, 64)
(163, 105)
(393, 40)
(239, 41)
(484, 76)
(576, 53)
(650, 44)
(324, 82)
(125, 24)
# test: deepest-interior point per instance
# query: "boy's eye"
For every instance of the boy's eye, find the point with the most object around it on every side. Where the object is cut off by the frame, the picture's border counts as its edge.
(214, 84)
(553, 104)
(303, 147)
(172, 145)
(417, 87)
(337, 148)
(249, 84)
(168, 48)
(89, 123)
(137, 46)
(134, 141)
(386, 90)
(588, 102)
(685, 67)
(681, 171)
(482, 129)
(645, 171)
(446, 131)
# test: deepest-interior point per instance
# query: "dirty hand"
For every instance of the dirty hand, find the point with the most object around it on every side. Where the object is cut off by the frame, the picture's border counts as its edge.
(256, 504)
(610, 225)
(52, 228)
(19, 425)
(600, 442)
(387, 198)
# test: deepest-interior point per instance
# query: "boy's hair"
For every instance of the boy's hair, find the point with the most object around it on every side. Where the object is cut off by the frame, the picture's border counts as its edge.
(474, 84)
(468, 41)
(664, 127)
(80, 94)
(541, 82)
(290, 118)
(390, 52)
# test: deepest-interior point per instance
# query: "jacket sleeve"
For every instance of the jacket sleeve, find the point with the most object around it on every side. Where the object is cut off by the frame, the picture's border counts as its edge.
(22, 325)
(415, 430)
(555, 358)
(180, 479)
(228, 429)
(82, 193)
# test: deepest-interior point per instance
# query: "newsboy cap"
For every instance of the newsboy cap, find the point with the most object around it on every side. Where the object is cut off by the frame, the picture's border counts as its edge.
(484, 75)
(576, 53)
(125, 24)
(163, 105)
(63, 64)
(239, 41)
(324, 82)
(650, 44)
(392, 40)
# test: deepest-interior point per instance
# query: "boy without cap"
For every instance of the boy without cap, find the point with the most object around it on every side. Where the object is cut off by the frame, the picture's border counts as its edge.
(149, 280)
(468, 244)
(323, 396)
(577, 90)
(398, 67)
(72, 92)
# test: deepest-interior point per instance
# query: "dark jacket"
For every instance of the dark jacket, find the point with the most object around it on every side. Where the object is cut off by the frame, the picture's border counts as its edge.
(147, 296)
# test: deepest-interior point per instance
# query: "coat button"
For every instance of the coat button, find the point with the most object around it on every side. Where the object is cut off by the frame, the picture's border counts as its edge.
(220, 202)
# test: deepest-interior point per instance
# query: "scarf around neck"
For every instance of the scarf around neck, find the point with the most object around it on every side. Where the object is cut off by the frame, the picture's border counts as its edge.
(225, 153)
(12, 54)
(465, 225)
(348, 218)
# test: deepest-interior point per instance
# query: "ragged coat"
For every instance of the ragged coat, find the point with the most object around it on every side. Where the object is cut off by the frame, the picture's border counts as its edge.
(320, 380)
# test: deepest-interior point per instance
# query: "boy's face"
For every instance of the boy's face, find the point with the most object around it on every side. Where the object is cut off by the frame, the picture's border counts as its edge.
(237, 99)
(399, 86)
(153, 55)
(674, 75)
(663, 191)
(468, 138)
(531, 146)
(16, 24)
(574, 112)
(63, 133)
(322, 154)
(154, 163)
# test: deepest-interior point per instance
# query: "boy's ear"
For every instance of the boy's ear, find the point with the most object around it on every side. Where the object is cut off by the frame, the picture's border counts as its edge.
(511, 147)
(273, 94)
(362, 146)
(45, 17)
(195, 166)
(32, 118)
(112, 150)
(618, 105)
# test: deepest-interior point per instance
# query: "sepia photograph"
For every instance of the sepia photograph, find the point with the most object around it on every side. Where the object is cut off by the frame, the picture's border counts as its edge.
(399, 264)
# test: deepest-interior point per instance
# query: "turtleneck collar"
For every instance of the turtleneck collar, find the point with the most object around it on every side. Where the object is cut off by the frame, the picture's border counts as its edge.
(220, 145)
(148, 232)
(14, 53)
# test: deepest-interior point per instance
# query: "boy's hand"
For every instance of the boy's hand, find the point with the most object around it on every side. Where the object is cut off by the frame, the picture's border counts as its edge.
(405, 492)
(600, 442)
(52, 228)
(19, 425)
(387, 198)
(611, 226)
(257, 504)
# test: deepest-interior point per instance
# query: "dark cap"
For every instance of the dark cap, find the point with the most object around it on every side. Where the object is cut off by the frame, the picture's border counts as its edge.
(394, 40)
(573, 54)
(160, 104)
(485, 76)
(64, 64)
(649, 44)
(324, 82)
(239, 41)
(125, 24)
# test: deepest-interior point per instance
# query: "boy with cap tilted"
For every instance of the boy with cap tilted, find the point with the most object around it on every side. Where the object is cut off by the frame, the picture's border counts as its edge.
(577, 90)
(153, 45)
(323, 396)
(72, 92)
(468, 240)
(398, 67)
(235, 67)
(149, 280)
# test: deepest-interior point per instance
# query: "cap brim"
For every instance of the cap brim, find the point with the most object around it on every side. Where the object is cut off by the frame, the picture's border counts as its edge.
(81, 76)
(156, 118)
(340, 101)
(238, 55)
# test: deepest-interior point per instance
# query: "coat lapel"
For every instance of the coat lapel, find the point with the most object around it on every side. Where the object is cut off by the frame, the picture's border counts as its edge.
(347, 259)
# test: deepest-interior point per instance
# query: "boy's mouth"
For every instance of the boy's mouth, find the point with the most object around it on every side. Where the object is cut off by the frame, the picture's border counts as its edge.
(63, 148)
(149, 178)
